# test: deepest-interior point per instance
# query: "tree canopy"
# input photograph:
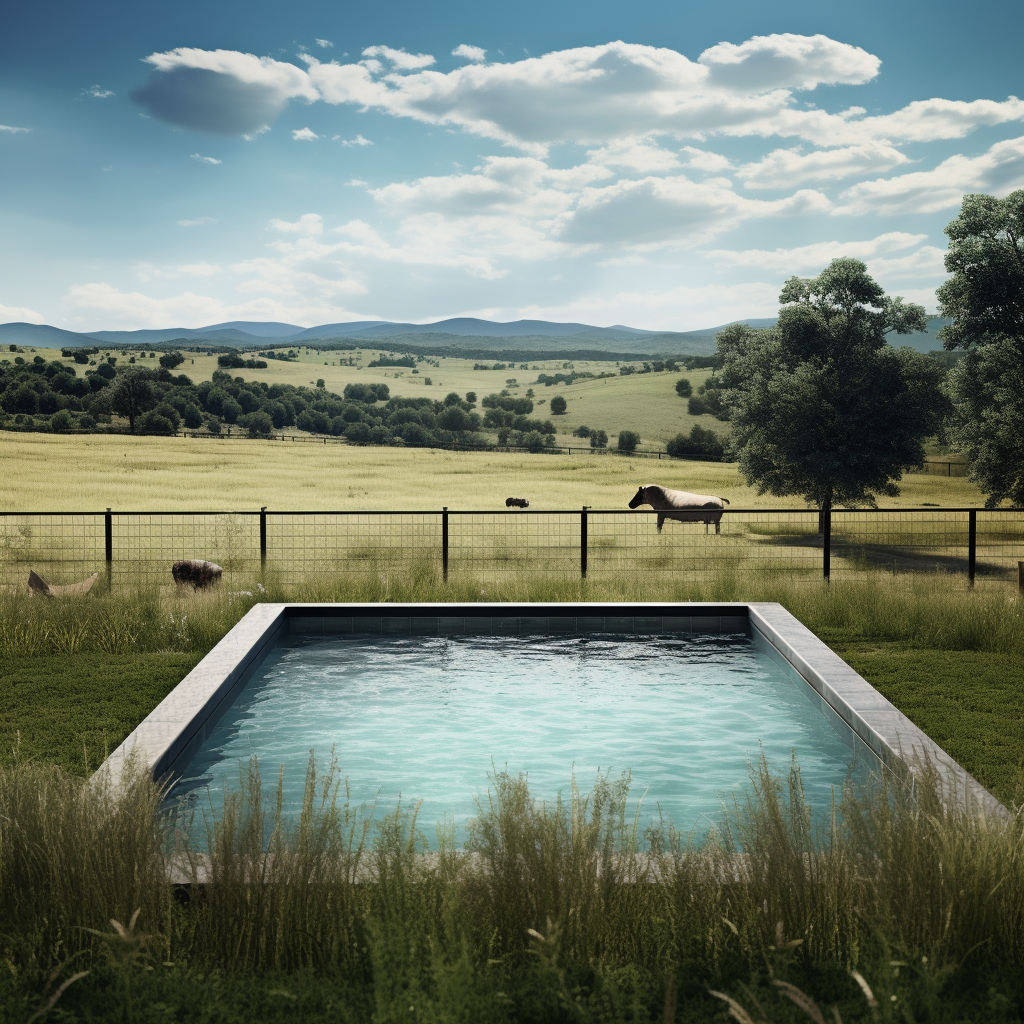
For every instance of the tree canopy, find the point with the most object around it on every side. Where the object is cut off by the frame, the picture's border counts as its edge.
(985, 298)
(821, 405)
(985, 295)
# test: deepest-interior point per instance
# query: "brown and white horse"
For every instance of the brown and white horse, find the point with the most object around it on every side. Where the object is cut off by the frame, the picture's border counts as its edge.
(681, 506)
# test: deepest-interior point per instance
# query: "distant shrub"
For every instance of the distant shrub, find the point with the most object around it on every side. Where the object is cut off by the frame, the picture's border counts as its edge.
(699, 442)
(684, 388)
(558, 405)
(598, 439)
(582, 431)
(628, 440)
(153, 423)
(61, 421)
(169, 360)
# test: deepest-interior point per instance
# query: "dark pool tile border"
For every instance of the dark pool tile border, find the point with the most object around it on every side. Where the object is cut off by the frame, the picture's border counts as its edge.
(171, 733)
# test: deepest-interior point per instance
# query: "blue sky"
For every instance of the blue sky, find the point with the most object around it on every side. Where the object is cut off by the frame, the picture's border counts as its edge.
(664, 165)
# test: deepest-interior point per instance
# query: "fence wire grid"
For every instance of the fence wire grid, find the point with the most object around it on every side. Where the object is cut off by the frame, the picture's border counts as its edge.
(984, 545)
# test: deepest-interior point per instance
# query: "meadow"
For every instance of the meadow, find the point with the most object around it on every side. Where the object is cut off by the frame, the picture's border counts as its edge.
(49, 472)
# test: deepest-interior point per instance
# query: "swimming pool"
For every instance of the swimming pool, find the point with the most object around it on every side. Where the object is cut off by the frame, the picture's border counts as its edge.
(426, 700)
(429, 718)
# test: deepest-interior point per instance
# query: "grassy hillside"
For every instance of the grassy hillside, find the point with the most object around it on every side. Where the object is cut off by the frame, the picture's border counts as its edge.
(642, 402)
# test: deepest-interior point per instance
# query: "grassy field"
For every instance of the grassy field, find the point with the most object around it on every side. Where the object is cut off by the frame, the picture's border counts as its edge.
(49, 472)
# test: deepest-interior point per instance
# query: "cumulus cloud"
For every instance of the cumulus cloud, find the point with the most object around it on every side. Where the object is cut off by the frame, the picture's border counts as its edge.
(304, 135)
(1000, 170)
(324, 44)
(788, 61)
(97, 92)
(467, 52)
(590, 95)
(643, 155)
(399, 59)
(674, 211)
(817, 255)
(307, 224)
(783, 168)
(221, 91)
(12, 129)
(206, 159)
(196, 221)
(357, 141)
(19, 314)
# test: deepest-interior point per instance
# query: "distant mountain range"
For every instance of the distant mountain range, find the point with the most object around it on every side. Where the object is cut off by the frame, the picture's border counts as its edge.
(459, 332)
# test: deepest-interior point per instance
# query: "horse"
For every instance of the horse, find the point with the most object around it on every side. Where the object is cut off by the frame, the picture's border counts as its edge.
(681, 506)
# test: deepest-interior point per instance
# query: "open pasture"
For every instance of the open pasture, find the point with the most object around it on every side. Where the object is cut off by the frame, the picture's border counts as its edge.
(50, 472)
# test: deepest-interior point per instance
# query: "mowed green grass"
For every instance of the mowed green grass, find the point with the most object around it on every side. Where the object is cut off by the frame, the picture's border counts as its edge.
(73, 710)
(51, 472)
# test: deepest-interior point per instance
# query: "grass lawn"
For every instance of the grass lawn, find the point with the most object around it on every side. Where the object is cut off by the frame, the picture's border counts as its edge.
(73, 710)
(970, 702)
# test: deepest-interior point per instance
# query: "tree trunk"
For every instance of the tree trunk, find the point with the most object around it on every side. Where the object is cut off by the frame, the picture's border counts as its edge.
(826, 506)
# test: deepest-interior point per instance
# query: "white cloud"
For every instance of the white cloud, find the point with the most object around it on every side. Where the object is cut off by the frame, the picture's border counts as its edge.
(307, 224)
(702, 160)
(357, 141)
(783, 168)
(815, 256)
(399, 59)
(254, 135)
(99, 303)
(671, 211)
(356, 182)
(221, 91)
(206, 159)
(643, 155)
(324, 44)
(97, 92)
(1000, 170)
(12, 129)
(591, 95)
(467, 52)
(19, 314)
(928, 262)
(196, 221)
(682, 308)
(304, 135)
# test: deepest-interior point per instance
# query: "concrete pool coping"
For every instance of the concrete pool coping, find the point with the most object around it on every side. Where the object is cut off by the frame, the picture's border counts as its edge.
(165, 741)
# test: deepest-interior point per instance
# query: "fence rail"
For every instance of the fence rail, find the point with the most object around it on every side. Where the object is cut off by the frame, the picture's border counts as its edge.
(983, 545)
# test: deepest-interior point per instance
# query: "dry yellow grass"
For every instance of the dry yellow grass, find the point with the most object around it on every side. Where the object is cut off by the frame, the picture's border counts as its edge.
(49, 472)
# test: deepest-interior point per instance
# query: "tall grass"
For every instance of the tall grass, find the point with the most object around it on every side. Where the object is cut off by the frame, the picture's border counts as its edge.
(936, 611)
(563, 900)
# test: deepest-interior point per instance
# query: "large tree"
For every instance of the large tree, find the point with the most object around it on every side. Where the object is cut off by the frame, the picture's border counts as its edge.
(821, 405)
(131, 395)
(985, 299)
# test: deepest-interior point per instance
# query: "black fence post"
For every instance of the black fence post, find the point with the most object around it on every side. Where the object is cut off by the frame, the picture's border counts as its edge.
(972, 544)
(583, 543)
(444, 543)
(826, 546)
(263, 537)
(108, 538)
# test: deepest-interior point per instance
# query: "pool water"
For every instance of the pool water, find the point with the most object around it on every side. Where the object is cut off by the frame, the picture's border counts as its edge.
(429, 718)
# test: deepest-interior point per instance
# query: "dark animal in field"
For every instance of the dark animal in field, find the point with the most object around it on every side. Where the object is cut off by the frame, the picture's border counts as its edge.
(517, 503)
(197, 572)
(681, 506)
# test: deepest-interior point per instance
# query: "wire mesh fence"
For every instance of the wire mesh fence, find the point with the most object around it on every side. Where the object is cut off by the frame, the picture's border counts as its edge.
(983, 545)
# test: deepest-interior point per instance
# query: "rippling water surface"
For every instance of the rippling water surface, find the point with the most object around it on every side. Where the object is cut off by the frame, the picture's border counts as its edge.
(428, 718)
